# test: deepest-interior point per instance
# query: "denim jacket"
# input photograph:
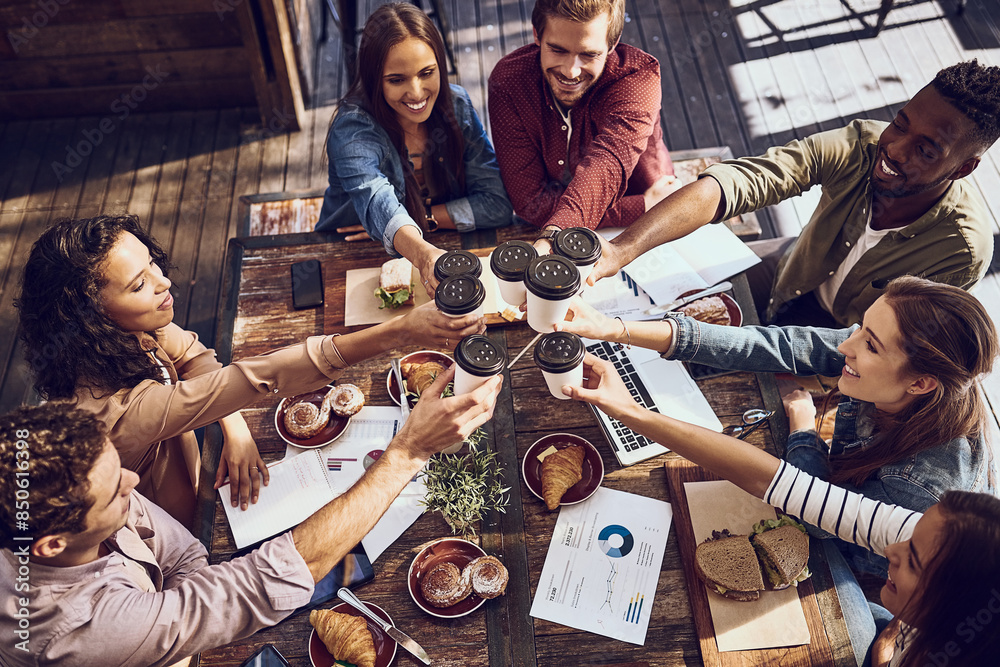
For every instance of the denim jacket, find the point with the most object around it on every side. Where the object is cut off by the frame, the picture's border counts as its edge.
(367, 181)
(916, 482)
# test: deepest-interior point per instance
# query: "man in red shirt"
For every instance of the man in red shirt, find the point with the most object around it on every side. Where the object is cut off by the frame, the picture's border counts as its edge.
(576, 121)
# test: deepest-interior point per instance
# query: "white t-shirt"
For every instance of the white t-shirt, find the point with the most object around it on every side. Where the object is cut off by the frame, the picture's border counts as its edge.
(827, 292)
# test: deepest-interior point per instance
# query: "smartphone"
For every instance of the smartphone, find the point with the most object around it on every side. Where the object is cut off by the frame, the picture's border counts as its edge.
(267, 656)
(307, 284)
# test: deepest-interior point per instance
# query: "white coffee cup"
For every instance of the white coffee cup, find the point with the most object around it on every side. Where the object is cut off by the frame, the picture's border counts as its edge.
(559, 355)
(508, 263)
(458, 296)
(551, 283)
(580, 245)
(477, 359)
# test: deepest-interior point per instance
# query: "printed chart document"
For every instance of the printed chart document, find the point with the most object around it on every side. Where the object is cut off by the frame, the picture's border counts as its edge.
(701, 259)
(620, 296)
(307, 479)
(603, 564)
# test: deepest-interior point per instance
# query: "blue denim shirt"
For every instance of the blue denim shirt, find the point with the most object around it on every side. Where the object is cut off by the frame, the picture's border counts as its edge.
(916, 482)
(367, 181)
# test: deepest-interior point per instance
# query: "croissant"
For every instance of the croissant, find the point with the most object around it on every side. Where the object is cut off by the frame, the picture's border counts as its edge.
(445, 585)
(560, 471)
(420, 376)
(346, 637)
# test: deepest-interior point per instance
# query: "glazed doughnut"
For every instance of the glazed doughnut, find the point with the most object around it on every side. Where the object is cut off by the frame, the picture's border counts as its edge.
(489, 577)
(444, 585)
(347, 400)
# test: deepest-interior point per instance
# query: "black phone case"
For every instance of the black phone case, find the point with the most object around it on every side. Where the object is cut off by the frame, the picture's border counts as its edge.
(307, 284)
(267, 656)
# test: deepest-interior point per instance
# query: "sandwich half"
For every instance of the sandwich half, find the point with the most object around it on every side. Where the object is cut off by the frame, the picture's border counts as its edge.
(782, 547)
(394, 286)
(728, 565)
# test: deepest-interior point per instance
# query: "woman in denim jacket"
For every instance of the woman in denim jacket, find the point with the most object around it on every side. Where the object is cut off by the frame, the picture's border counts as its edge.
(912, 422)
(407, 152)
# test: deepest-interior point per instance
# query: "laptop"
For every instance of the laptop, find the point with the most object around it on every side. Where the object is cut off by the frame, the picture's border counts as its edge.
(659, 385)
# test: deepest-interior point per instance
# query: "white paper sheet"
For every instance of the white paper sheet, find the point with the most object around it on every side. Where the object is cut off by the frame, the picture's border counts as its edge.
(346, 460)
(701, 259)
(776, 619)
(603, 565)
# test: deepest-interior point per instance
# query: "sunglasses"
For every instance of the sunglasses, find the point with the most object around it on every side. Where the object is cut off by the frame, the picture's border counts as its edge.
(752, 420)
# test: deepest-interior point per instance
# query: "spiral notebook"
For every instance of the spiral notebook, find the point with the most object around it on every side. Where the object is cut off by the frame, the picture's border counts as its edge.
(299, 487)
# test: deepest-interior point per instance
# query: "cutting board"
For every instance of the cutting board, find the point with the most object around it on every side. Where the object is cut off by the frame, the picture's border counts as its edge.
(817, 652)
(361, 307)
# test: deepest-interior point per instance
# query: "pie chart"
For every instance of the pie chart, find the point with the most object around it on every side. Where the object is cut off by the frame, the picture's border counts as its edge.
(615, 540)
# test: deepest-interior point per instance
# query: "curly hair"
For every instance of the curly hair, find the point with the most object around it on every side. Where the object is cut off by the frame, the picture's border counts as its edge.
(960, 586)
(975, 91)
(46, 455)
(69, 340)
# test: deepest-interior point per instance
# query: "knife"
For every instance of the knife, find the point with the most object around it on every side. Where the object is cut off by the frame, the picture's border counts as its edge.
(400, 638)
(404, 402)
(724, 286)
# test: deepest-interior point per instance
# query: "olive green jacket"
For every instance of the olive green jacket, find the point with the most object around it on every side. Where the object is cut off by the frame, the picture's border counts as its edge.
(952, 243)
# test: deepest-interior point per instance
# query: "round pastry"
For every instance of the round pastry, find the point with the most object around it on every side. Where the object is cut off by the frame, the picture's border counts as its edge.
(347, 400)
(711, 310)
(444, 585)
(488, 576)
(304, 420)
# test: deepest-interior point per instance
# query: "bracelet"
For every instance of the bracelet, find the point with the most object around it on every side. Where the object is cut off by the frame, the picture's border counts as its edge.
(340, 357)
(628, 336)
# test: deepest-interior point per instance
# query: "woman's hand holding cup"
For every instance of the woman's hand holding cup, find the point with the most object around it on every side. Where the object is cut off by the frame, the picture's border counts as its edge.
(585, 321)
(603, 387)
(427, 326)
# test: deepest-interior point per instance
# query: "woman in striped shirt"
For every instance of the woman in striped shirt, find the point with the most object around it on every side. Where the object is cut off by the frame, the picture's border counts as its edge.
(943, 585)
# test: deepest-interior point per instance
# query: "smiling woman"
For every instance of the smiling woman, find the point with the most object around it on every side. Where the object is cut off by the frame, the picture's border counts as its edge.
(911, 424)
(408, 154)
(96, 318)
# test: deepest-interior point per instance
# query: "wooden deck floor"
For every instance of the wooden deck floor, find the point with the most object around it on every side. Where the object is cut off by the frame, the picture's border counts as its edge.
(744, 73)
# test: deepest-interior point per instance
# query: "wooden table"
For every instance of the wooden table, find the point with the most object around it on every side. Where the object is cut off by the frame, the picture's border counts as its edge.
(257, 316)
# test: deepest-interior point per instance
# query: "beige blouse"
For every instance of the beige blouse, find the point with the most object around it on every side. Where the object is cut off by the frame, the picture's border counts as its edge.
(152, 424)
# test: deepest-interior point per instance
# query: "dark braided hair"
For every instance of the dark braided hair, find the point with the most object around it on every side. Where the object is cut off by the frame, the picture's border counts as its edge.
(69, 340)
(975, 91)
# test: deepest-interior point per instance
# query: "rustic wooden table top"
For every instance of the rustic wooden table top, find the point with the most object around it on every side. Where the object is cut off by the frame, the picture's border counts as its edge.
(257, 316)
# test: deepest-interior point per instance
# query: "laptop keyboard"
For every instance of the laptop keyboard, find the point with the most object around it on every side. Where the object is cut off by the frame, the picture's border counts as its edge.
(624, 437)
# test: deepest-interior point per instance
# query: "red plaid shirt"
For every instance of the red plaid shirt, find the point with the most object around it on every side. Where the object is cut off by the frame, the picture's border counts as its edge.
(616, 148)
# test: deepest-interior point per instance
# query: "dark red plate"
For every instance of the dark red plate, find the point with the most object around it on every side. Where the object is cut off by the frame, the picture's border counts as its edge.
(333, 430)
(419, 357)
(447, 550)
(593, 467)
(385, 647)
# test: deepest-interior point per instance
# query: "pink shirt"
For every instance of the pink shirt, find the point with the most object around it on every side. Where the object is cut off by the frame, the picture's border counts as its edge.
(615, 151)
(107, 613)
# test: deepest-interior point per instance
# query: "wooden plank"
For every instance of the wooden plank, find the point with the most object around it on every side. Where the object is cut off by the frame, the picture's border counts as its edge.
(215, 229)
(275, 151)
(123, 170)
(162, 222)
(248, 163)
(101, 162)
(10, 145)
(300, 142)
(125, 68)
(191, 215)
(147, 170)
(154, 33)
(119, 99)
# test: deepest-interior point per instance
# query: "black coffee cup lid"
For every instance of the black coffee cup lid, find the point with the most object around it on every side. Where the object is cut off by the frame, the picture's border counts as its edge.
(558, 352)
(480, 356)
(552, 277)
(457, 263)
(459, 295)
(510, 259)
(580, 245)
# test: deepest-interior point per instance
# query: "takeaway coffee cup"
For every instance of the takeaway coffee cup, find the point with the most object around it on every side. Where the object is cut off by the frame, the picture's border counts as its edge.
(457, 263)
(551, 281)
(560, 357)
(508, 262)
(477, 359)
(457, 296)
(581, 246)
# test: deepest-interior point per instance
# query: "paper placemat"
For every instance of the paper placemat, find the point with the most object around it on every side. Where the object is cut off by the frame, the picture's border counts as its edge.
(362, 307)
(776, 619)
